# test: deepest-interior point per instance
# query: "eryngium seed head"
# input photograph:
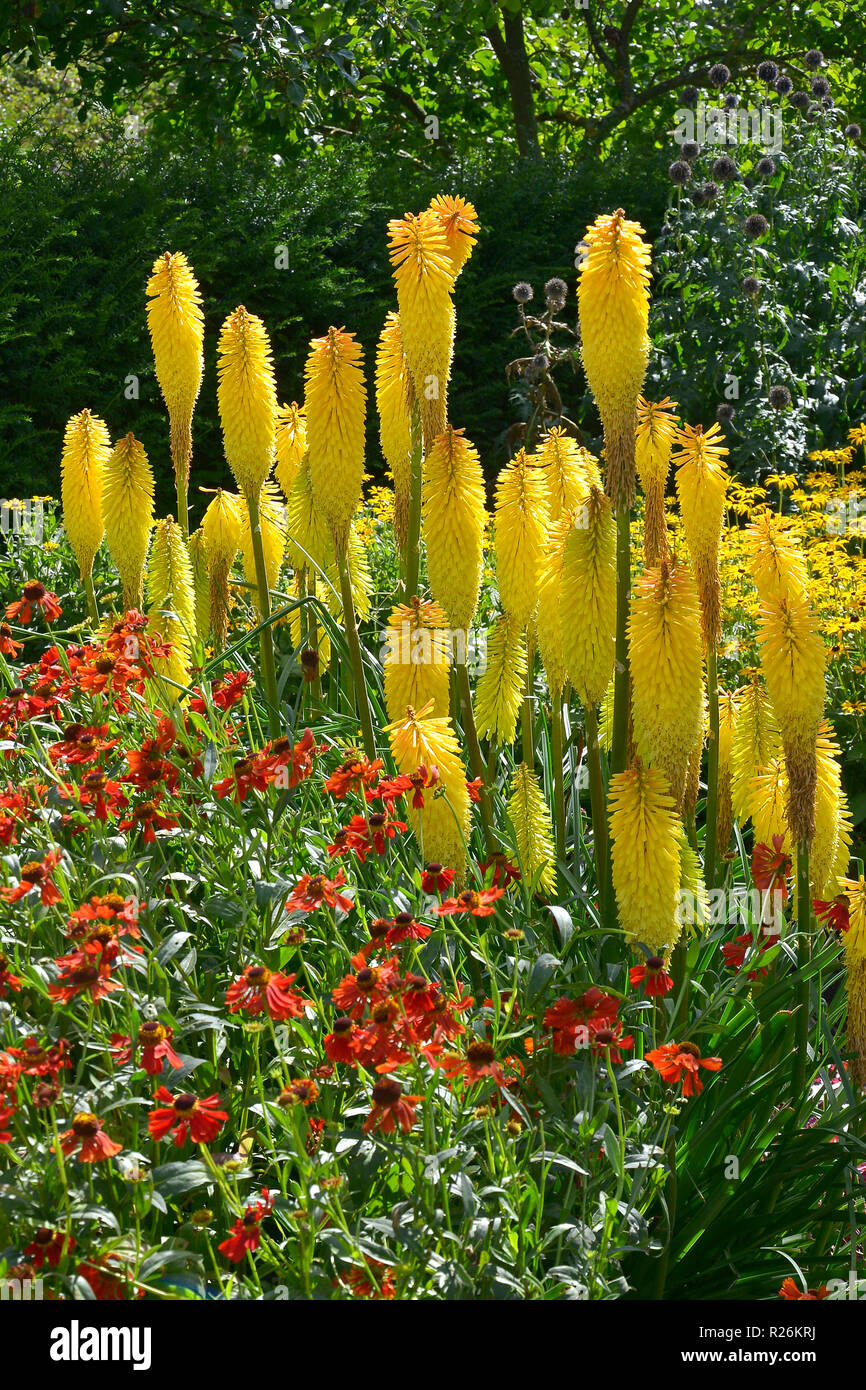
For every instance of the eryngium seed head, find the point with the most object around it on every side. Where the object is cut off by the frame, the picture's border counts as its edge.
(690, 95)
(780, 397)
(680, 171)
(800, 100)
(556, 293)
(766, 167)
(522, 292)
(698, 197)
(720, 75)
(731, 101)
(784, 85)
(768, 72)
(710, 192)
(725, 168)
(725, 412)
(853, 131)
(756, 225)
(751, 286)
(540, 362)
(813, 60)
(690, 150)
(820, 87)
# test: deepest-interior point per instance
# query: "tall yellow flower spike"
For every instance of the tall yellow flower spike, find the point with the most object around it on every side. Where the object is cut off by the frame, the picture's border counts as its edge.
(200, 583)
(613, 299)
(589, 598)
(656, 431)
(171, 599)
(520, 538)
(727, 724)
(548, 620)
(570, 470)
(442, 825)
(756, 741)
(666, 667)
(291, 445)
(336, 405)
(768, 800)
(533, 833)
(702, 482)
(793, 660)
(831, 829)
(459, 223)
(247, 397)
(418, 659)
(424, 275)
(86, 451)
(394, 392)
(453, 518)
(221, 525)
(127, 505)
(176, 325)
(646, 862)
(500, 686)
(776, 563)
(854, 941)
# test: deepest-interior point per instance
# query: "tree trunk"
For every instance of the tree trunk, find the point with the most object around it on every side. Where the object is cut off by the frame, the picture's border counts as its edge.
(510, 50)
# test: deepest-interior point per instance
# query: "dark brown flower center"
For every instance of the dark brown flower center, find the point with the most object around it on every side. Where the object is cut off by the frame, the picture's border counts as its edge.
(387, 1092)
(479, 1052)
(184, 1103)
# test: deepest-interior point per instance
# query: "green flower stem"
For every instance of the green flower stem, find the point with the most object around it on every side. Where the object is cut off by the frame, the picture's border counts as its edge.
(621, 676)
(362, 703)
(476, 759)
(527, 718)
(412, 559)
(266, 636)
(712, 771)
(804, 956)
(596, 800)
(92, 606)
(558, 775)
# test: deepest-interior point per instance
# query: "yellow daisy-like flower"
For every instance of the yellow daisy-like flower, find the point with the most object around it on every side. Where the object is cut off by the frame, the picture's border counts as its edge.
(86, 451)
(453, 525)
(589, 598)
(521, 518)
(533, 833)
(336, 410)
(613, 298)
(247, 397)
(646, 862)
(127, 505)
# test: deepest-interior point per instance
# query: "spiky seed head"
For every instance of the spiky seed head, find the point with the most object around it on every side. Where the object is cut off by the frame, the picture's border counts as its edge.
(424, 275)
(393, 402)
(613, 298)
(645, 834)
(336, 405)
(418, 659)
(176, 325)
(127, 505)
(589, 597)
(247, 397)
(702, 482)
(665, 660)
(86, 451)
(459, 222)
(533, 834)
(421, 739)
(453, 520)
(291, 445)
(501, 684)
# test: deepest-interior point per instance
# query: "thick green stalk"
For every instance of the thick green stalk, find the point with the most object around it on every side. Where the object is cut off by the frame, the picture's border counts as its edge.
(412, 561)
(556, 756)
(712, 772)
(266, 635)
(362, 703)
(599, 817)
(804, 956)
(619, 749)
(527, 718)
(92, 606)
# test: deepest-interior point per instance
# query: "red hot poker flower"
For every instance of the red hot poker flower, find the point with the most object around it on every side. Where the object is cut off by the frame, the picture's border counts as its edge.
(186, 1114)
(246, 1233)
(88, 1136)
(259, 989)
(681, 1062)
